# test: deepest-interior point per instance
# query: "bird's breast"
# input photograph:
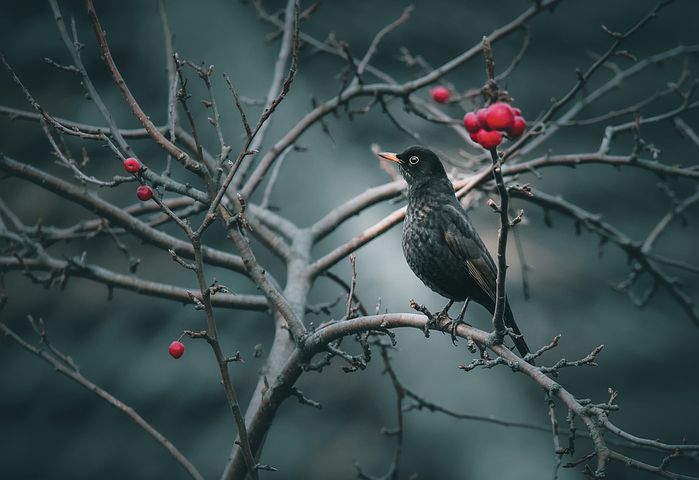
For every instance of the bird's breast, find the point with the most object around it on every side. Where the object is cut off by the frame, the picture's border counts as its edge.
(428, 255)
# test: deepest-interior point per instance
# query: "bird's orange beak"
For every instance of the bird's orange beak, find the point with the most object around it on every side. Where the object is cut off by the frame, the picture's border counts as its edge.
(391, 157)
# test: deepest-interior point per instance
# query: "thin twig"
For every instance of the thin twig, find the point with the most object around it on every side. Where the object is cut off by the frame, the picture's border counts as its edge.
(153, 131)
(80, 379)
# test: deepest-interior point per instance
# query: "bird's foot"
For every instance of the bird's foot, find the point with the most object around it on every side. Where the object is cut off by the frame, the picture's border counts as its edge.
(431, 323)
(453, 325)
(495, 338)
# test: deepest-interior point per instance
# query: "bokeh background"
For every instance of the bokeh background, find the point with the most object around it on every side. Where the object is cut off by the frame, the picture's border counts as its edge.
(51, 428)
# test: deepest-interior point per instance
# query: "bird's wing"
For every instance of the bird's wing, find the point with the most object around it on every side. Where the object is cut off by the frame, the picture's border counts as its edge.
(465, 244)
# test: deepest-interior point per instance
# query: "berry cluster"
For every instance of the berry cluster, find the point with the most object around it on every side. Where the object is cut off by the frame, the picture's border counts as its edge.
(143, 192)
(487, 124)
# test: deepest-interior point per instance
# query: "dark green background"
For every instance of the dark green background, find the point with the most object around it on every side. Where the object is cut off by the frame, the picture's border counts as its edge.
(51, 428)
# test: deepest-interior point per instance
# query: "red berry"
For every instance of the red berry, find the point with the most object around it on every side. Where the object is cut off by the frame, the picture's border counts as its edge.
(517, 111)
(176, 349)
(481, 115)
(144, 192)
(132, 165)
(488, 139)
(471, 122)
(474, 135)
(440, 94)
(500, 116)
(517, 128)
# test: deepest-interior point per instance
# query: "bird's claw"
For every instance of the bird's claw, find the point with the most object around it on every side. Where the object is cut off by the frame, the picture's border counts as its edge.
(430, 324)
(454, 324)
(440, 321)
(452, 330)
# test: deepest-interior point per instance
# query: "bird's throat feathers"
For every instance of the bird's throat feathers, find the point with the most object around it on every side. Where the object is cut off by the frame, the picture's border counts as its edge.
(430, 187)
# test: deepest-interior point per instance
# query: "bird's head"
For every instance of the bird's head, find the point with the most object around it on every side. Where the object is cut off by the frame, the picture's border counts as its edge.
(417, 164)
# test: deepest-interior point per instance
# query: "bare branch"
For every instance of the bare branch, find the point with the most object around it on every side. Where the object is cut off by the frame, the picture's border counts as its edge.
(130, 282)
(81, 380)
(259, 276)
(212, 338)
(115, 215)
(373, 90)
(72, 46)
(591, 415)
(404, 17)
(171, 77)
(277, 90)
(159, 138)
(633, 249)
(583, 77)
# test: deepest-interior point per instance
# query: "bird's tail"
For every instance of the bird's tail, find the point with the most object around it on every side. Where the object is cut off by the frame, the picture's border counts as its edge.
(521, 345)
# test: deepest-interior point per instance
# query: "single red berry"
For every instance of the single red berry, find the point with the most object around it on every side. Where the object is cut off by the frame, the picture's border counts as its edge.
(440, 94)
(517, 111)
(474, 135)
(144, 192)
(132, 165)
(500, 116)
(488, 139)
(176, 349)
(517, 128)
(471, 122)
(482, 115)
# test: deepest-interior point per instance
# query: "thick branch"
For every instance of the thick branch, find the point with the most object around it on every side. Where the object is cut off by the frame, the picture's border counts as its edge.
(259, 276)
(354, 206)
(590, 415)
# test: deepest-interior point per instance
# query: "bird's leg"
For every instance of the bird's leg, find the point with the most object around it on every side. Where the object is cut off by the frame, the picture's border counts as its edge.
(463, 311)
(444, 314)
(433, 321)
(459, 319)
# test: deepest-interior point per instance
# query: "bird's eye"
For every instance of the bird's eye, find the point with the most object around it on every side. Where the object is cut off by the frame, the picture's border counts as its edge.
(413, 160)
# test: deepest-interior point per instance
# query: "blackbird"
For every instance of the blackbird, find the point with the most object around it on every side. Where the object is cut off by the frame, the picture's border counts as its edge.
(439, 242)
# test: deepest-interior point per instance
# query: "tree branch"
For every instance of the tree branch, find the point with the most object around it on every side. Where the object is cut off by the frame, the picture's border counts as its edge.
(154, 132)
(115, 215)
(131, 282)
(75, 375)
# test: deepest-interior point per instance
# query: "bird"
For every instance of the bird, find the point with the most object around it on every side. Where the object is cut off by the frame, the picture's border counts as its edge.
(439, 242)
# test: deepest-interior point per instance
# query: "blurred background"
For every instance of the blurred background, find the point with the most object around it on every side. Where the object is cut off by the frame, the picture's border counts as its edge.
(52, 428)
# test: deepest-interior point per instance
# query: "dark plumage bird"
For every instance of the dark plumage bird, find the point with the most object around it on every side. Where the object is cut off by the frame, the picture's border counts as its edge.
(439, 242)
